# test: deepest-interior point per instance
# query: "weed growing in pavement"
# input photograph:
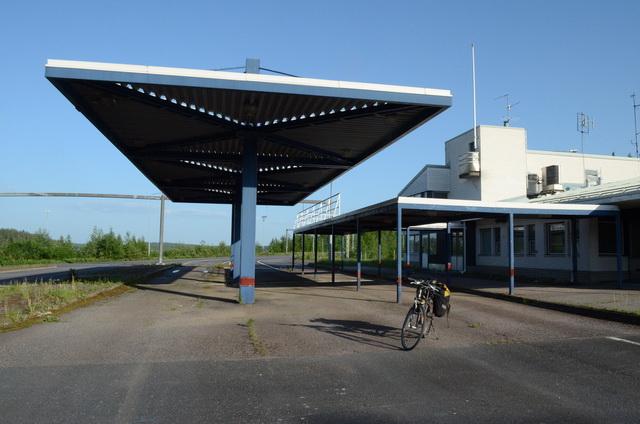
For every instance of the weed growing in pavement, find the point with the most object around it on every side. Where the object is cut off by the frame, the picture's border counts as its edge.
(258, 346)
(24, 302)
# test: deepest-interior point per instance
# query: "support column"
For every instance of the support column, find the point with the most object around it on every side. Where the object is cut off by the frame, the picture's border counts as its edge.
(248, 222)
(342, 253)
(235, 235)
(574, 250)
(161, 235)
(379, 253)
(333, 257)
(420, 252)
(315, 252)
(358, 254)
(399, 254)
(511, 257)
(619, 249)
(302, 237)
(293, 250)
(447, 244)
(408, 247)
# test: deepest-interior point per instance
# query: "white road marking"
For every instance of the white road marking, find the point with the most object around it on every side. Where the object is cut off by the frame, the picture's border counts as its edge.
(617, 339)
(269, 266)
(28, 269)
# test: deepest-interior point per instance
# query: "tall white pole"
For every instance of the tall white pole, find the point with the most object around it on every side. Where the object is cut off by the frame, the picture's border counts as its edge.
(473, 78)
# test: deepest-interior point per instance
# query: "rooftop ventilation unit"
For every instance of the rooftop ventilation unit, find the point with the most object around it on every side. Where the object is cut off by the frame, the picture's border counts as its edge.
(534, 185)
(592, 177)
(551, 179)
(469, 165)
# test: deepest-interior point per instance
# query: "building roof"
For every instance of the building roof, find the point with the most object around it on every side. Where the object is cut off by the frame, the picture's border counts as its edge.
(624, 193)
(420, 211)
(184, 128)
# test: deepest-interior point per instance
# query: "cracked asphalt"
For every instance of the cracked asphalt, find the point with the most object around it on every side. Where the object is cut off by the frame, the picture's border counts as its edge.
(178, 351)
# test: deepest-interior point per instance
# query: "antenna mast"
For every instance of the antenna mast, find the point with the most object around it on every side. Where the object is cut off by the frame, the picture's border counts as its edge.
(507, 119)
(473, 80)
(584, 124)
(635, 124)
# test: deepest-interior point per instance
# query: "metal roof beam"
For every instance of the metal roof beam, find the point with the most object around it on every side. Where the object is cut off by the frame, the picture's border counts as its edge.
(186, 142)
(302, 147)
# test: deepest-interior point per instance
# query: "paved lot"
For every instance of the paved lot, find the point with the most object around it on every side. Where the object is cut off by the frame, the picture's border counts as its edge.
(181, 350)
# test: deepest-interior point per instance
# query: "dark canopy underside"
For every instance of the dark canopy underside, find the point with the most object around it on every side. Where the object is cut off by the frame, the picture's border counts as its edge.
(189, 140)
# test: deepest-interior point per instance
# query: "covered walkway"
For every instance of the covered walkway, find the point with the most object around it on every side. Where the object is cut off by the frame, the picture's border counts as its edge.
(402, 213)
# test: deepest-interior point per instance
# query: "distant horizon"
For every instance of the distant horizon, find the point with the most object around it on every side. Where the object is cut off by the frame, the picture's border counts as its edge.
(554, 60)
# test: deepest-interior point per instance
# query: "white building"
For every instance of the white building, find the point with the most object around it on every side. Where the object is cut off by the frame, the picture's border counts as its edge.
(501, 168)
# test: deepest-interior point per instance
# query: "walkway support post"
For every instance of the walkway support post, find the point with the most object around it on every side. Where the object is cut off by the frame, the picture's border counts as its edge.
(619, 249)
(161, 235)
(448, 253)
(293, 250)
(315, 252)
(574, 250)
(302, 237)
(379, 253)
(235, 235)
(248, 222)
(408, 247)
(511, 257)
(333, 257)
(398, 254)
(358, 254)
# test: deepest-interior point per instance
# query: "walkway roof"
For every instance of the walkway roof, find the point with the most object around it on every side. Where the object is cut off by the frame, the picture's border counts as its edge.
(419, 211)
(184, 128)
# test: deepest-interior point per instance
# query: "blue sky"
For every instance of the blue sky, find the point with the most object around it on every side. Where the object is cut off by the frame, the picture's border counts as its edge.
(556, 58)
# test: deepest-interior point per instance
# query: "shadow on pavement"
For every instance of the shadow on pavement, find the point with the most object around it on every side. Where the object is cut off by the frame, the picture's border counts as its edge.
(376, 335)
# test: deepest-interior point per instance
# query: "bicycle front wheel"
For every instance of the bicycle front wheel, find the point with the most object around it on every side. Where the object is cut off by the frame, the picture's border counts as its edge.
(412, 328)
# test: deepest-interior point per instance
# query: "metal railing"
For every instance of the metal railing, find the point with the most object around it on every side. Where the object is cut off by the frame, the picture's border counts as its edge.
(325, 209)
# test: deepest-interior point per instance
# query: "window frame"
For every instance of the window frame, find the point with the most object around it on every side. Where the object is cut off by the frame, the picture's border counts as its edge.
(547, 232)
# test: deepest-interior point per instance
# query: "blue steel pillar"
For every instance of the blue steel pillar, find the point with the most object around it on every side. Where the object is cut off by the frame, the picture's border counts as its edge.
(235, 235)
(315, 252)
(333, 256)
(358, 254)
(619, 250)
(379, 253)
(302, 237)
(248, 221)
(447, 249)
(511, 257)
(399, 254)
(293, 250)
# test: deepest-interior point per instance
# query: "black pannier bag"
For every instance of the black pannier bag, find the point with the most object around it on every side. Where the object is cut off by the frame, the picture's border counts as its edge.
(441, 303)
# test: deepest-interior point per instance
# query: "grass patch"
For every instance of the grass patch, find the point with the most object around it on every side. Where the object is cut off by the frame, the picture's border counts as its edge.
(24, 304)
(258, 346)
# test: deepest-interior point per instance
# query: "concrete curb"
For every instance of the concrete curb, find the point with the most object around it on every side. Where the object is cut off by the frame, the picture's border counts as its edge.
(603, 314)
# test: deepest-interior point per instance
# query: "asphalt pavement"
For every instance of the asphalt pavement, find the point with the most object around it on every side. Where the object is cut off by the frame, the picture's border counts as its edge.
(180, 350)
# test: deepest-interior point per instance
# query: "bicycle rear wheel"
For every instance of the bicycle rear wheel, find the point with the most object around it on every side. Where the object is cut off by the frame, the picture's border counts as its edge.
(412, 328)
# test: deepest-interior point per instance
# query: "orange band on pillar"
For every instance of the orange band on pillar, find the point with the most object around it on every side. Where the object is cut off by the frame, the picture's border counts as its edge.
(359, 275)
(512, 272)
(247, 281)
(399, 280)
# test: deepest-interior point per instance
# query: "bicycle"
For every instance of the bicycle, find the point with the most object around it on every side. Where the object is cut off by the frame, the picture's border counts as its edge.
(419, 320)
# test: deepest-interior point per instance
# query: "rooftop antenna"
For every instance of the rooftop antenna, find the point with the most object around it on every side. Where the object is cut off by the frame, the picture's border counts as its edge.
(473, 81)
(506, 121)
(584, 124)
(635, 124)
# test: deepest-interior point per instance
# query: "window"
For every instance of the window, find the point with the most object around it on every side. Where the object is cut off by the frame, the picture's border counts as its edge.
(531, 240)
(518, 240)
(496, 241)
(606, 236)
(433, 244)
(485, 241)
(556, 238)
